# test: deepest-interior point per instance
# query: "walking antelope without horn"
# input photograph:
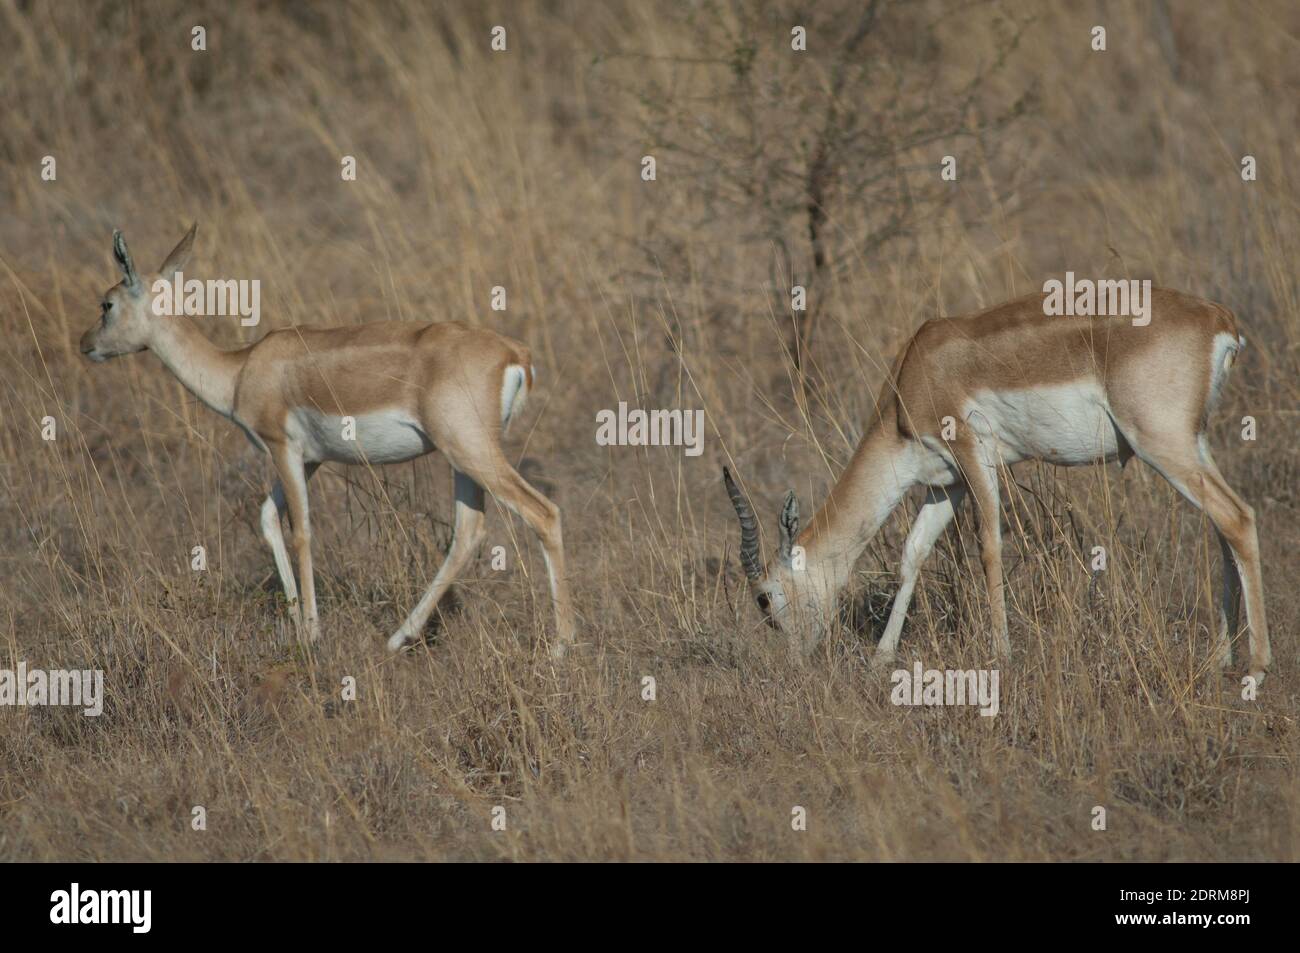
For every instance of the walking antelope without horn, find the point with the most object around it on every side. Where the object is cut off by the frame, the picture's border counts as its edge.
(1019, 385)
(409, 387)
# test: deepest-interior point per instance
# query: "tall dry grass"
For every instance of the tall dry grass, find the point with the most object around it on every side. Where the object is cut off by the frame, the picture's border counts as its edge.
(521, 169)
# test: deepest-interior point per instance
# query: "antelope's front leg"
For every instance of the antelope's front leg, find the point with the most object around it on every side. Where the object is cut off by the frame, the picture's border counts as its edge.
(982, 479)
(274, 508)
(293, 477)
(935, 515)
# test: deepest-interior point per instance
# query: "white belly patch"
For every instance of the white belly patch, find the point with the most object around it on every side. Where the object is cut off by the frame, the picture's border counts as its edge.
(387, 436)
(1065, 424)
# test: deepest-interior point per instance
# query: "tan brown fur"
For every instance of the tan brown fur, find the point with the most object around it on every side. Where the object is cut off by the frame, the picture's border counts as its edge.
(439, 384)
(1016, 345)
(1154, 382)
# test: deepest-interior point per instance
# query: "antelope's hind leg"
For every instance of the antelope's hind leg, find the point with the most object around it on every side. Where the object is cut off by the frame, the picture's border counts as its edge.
(1186, 463)
(543, 518)
(1229, 604)
(467, 534)
(475, 451)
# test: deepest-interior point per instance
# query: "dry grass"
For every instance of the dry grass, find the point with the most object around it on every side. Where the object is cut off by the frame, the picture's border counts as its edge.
(522, 170)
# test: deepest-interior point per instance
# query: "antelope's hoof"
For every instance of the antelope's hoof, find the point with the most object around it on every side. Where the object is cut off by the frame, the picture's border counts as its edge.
(559, 649)
(399, 641)
(882, 661)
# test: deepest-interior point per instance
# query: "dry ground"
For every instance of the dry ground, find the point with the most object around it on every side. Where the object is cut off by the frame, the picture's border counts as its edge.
(521, 169)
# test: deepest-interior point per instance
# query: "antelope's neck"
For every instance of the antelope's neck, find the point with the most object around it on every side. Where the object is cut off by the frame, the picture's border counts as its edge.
(868, 490)
(205, 370)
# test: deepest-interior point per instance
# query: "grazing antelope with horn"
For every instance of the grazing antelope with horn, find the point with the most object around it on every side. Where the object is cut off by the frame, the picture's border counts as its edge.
(408, 388)
(1018, 385)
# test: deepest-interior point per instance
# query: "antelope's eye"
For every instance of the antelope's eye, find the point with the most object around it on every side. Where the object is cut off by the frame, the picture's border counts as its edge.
(105, 306)
(764, 603)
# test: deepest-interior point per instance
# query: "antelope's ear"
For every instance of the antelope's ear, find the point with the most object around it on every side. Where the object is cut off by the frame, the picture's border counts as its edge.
(789, 523)
(123, 256)
(180, 254)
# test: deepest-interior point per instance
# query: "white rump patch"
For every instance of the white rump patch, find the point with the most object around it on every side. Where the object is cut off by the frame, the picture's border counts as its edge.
(514, 392)
(1225, 353)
